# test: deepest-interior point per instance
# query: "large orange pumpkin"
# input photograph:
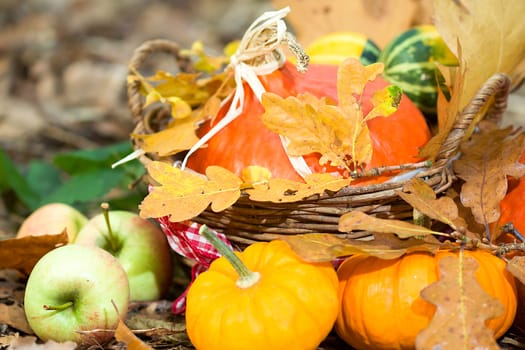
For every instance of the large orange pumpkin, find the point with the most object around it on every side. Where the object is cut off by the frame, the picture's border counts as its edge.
(511, 207)
(512, 210)
(381, 306)
(246, 141)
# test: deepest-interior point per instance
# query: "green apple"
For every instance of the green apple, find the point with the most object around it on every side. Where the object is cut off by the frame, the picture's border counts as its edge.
(138, 244)
(73, 294)
(52, 219)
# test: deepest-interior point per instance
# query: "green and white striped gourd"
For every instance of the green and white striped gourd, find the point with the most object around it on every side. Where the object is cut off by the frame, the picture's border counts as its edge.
(410, 63)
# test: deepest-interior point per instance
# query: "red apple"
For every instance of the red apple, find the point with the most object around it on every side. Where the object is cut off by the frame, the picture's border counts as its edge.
(52, 219)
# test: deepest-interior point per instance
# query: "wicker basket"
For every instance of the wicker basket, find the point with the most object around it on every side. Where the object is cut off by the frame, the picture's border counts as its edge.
(248, 221)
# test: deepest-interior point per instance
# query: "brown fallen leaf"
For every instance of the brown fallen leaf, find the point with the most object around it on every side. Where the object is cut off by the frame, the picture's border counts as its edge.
(319, 247)
(488, 158)
(473, 228)
(516, 266)
(442, 209)
(357, 220)
(462, 309)
(23, 253)
(12, 301)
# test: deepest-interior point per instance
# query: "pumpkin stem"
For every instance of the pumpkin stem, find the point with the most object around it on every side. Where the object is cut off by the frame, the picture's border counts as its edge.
(247, 278)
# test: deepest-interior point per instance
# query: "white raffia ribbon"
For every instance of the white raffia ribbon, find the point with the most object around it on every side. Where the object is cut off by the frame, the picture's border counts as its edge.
(259, 53)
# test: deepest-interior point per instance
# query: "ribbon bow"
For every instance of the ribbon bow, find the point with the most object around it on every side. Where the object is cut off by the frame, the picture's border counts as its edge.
(259, 53)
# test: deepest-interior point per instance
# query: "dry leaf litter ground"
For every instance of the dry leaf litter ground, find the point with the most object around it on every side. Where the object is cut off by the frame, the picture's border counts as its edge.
(63, 66)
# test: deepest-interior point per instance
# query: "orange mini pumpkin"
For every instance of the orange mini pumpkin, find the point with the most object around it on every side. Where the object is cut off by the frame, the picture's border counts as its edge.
(265, 297)
(381, 306)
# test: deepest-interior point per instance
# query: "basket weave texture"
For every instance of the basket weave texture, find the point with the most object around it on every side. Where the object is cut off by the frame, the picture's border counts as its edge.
(249, 221)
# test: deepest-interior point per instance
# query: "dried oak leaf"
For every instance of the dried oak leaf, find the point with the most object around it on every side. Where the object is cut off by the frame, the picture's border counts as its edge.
(462, 309)
(12, 302)
(179, 135)
(319, 247)
(286, 191)
(488, 158)
(447, 111)
(339, 133)
(182, 195)
(191, 98)
(465, 218)
(488, 37)
(491, 35)
(23, 253)
(421, 196)
(357, 220)
(516, 266)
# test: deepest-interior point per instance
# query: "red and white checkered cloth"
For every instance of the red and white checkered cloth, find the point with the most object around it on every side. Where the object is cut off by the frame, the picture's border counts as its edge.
(184, 238)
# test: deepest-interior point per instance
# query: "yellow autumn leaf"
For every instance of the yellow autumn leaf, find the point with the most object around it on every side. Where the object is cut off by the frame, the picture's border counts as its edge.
(310, 124)
(352, 78)
(447, 111)
(179, 135)
(385, 102)
(253, 175)
(188, 87)
(285, 191)
(491, 35)
(183, 195)
(179, 108)
(223, 187)
(487, 37)
(338, 132)
(204, 62)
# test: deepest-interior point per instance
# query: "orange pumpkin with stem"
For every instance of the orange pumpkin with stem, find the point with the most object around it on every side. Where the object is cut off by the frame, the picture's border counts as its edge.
(381, 306)
(262, 298)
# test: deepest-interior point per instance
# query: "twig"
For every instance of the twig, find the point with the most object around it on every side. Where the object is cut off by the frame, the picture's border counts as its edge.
(390, 168)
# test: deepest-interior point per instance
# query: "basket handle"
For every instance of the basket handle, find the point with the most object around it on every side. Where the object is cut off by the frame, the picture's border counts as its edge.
(138, 58)
(497, 86)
